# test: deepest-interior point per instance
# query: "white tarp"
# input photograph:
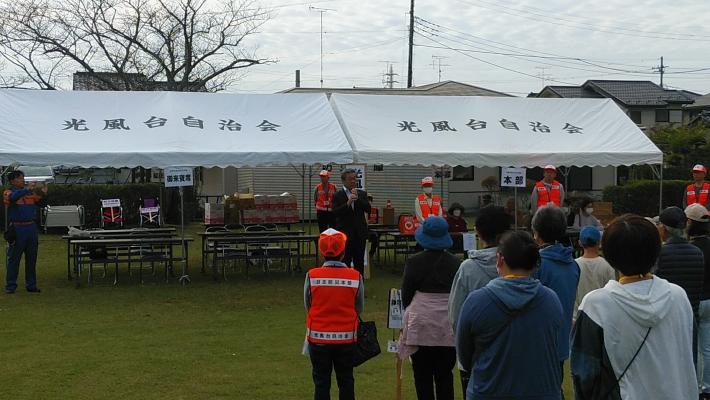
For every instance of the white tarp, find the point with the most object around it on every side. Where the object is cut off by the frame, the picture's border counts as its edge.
(491, 131)
(161, 129)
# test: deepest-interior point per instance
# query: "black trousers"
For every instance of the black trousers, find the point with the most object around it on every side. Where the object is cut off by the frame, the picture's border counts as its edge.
(465, 378)
(326, 219)
(355, 252)
(325, 358)
(432, 366)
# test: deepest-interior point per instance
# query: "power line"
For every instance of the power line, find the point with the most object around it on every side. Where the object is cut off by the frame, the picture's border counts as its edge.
(434, 29)
(537, 17)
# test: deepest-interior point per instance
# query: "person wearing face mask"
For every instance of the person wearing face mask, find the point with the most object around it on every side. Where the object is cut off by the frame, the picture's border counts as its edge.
(428, 204)
(457, 225)
(584, 217)
(548, 190)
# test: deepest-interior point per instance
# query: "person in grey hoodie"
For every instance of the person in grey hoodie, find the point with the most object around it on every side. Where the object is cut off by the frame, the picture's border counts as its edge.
(480, 267)
(633, 338)
(507, 332)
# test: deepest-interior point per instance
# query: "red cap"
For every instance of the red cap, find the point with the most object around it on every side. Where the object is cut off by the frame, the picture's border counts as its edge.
(324, 172)
(699, 168)
(428, 181)
(331, 243)
(550, 167)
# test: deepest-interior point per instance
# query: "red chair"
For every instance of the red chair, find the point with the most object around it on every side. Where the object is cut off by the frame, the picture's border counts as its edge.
(111, 213)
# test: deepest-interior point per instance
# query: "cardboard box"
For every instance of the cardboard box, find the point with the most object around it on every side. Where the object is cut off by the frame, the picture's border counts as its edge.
(274, 201)
(246, 201)
(291, 215)
(388, 216)
(289, 201)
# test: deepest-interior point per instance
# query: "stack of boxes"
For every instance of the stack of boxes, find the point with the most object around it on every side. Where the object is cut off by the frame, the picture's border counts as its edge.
(214, 214)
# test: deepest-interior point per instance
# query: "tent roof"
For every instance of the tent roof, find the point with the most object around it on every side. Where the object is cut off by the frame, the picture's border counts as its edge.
(161, 129)
(491, 131)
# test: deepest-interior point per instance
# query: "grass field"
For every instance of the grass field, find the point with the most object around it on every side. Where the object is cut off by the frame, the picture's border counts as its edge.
(239, 339)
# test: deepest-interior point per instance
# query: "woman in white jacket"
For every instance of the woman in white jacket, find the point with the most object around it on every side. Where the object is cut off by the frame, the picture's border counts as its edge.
(633, 338)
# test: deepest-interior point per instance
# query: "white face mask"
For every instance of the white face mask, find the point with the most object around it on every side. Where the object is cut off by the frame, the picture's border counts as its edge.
(457, 213)
(589, 210)
(428, 190)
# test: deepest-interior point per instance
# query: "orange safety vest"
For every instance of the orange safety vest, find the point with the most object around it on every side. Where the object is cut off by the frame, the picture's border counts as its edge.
(30, 199)
(332, 318)
(325, 200)
(435, 208)
(545, 196)
(693, 197)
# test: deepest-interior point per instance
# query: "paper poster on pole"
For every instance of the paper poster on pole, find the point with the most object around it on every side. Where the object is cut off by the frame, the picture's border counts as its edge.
(178, 176)
(394, 309)
(359, 175)
(512, 177)
(469, 241)
(110, 203)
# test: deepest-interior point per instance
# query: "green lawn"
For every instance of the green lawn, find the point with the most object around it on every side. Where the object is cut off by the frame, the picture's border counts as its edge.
(239, 339)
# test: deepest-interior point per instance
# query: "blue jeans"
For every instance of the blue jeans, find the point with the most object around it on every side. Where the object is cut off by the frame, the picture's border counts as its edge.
(704, 344)
(27, 243)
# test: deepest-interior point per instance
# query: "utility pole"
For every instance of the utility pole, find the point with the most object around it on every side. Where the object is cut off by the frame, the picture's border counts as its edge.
(321, 11)
(437, 60)
(661, 69)
(543, 76)
(388, 77)
(411, 44)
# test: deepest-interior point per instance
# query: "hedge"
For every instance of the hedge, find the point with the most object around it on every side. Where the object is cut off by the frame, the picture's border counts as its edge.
(90, 195)
(641, 197)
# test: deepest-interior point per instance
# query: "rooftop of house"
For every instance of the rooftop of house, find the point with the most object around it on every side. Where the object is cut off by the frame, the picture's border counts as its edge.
(629, 93)
(446, 88)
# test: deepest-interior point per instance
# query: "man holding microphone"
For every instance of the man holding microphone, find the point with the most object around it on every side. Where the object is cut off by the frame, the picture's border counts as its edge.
(351, 209)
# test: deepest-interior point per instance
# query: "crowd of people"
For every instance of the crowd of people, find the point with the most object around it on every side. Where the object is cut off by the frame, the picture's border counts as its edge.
(631, 322)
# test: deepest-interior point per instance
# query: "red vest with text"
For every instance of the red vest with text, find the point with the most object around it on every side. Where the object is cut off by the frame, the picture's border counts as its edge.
(545, 196)
(325, 200)
(695, 196)
(424, 205)
(332, 318)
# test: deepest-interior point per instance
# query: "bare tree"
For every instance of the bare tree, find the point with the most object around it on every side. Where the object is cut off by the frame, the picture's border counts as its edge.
(190, 45)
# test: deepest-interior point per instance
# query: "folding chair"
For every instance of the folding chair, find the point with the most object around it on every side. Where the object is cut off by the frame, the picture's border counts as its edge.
(149, 212)
(111, 213)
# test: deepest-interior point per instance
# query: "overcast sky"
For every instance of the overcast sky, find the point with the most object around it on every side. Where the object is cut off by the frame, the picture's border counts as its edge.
(510, 46)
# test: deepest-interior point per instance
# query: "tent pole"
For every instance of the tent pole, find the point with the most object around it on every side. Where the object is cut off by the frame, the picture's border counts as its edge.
(660, 188)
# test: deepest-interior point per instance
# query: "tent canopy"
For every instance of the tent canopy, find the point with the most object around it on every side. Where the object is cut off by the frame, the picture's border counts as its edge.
(162, 129)
(491, 131)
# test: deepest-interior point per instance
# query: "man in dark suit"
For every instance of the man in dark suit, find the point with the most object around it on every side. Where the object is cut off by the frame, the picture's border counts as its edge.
(351, 209)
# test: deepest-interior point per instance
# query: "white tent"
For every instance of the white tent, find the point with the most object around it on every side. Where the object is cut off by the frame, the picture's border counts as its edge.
(491, 131)
(161, 129)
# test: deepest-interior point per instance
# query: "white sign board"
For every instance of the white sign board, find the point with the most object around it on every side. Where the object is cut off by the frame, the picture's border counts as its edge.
(108, 203)
(149, 210)
(395, 311)
(360, 175)
(512, 177)
(469, 241)
(178, 176)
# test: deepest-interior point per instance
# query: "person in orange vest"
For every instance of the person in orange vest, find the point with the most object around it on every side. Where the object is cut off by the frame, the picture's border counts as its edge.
(697, 192)
(428, 204)
(547, 191)
(334, 297)
(323, 198)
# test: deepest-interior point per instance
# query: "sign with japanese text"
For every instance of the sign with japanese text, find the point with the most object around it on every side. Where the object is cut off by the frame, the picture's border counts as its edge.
(360, 175)
(395, 310)
(512, 177)
(178, 176)
(109, 203)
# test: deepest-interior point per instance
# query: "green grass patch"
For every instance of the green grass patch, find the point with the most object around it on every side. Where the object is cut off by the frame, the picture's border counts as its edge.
(239, 339)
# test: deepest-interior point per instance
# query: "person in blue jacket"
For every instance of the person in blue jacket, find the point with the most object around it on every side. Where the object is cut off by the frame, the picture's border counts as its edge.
(558, 269)
(21, 205)
(507, 331)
